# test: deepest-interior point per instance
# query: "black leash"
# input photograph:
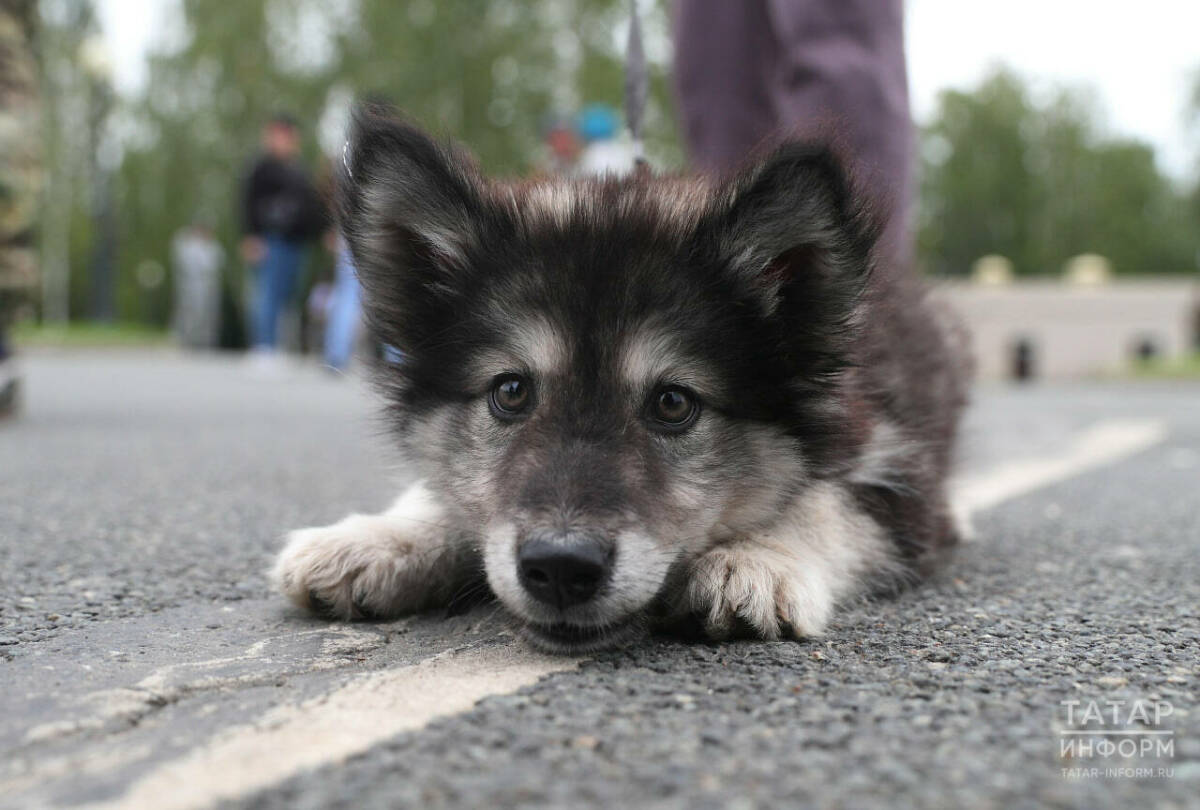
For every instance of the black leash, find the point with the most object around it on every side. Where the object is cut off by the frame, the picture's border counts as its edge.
(637, 84)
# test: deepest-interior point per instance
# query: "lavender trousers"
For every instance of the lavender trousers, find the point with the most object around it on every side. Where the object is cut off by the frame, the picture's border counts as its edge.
(747, 71)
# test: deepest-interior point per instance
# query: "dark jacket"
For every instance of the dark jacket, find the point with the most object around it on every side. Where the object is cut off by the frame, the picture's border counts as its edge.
(278, 199)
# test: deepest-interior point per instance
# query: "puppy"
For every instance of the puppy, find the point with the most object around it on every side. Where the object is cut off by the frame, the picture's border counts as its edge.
(638, 402)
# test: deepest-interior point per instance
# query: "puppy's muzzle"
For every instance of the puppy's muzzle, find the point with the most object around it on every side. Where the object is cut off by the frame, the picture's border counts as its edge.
(563, 569)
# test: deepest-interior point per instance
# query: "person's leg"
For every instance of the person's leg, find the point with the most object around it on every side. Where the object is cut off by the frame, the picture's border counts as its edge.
(277, 281)
(724, 61)
(841, 68)
(291, 256)
(211, 324)
(342, 329)
(184, 318)
(9, 380)
(6, 308)
(263, 322)
(745, 71)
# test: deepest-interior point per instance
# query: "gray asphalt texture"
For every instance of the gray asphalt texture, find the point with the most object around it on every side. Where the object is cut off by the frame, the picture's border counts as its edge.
(142, 496)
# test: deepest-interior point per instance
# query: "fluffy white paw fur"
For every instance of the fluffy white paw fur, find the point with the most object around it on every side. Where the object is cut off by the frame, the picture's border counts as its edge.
(370, 566)
(760, 587)
(788, 580)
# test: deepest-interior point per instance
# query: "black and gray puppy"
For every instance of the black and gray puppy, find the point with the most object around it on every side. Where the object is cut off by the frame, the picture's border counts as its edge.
(639, 401)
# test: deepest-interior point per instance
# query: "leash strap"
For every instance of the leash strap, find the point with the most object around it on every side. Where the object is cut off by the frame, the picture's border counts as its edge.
(637, 80)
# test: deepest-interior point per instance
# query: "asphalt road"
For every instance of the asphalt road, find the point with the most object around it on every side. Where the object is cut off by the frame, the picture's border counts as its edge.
(142, 497)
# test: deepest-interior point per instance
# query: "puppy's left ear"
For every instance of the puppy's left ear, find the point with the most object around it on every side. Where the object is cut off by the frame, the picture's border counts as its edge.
(791, 231)
(412, 210)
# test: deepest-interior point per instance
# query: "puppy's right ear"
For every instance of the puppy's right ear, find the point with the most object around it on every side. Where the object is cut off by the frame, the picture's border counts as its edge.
(411, 211)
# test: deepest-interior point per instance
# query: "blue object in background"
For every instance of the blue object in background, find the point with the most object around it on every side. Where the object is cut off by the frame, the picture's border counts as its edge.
(341, 331)
(598, 122)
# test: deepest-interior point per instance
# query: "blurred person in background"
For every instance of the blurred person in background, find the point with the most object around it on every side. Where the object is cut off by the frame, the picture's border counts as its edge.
(345, 311)
(562, 145)
(340, 303)
(196, 263)
(316, 306)
(281, 213)
(599, 126)
(754, 69)
(20, 175)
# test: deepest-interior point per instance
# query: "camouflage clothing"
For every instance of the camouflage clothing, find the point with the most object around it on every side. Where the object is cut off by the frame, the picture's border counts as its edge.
(20, 163)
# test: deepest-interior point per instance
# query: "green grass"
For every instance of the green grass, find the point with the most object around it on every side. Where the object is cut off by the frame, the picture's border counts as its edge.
(1178, 368)
(89, 335)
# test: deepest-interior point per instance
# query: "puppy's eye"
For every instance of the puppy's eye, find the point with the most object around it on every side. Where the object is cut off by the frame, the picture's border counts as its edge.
(510, 396)
(674, 408)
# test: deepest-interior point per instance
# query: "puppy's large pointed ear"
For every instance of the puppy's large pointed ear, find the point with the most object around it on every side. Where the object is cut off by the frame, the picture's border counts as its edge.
(411, 210)
(793, 234)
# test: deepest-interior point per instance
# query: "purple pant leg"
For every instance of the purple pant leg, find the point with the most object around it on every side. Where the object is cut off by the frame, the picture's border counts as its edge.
(752, 69)
(724, 62)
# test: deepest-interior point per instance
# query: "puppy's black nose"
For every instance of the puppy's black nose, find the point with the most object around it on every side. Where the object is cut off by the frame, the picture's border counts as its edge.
(564, 569)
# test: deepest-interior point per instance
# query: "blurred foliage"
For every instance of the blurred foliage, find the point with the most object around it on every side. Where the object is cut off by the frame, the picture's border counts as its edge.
(69, 139)
(1193, 123)
(1002, 171)
(1038, 183)
(1184, 367)
(87, 335)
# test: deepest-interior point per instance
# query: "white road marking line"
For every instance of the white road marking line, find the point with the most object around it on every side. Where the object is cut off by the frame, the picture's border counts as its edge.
(165, 684)
(1103, 443)
(334, 726)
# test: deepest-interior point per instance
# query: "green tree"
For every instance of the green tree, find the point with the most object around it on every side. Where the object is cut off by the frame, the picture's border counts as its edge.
(1037, 182)
(1193, 125)
(978, 186)
(1141, 221)
(72, 75)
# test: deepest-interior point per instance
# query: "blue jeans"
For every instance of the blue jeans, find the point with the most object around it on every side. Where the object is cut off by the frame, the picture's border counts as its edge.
(277, 274)
(344, 313)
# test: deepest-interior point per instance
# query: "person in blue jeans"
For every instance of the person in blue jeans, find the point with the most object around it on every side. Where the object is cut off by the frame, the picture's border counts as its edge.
(345, 313)
(281, 213)
(275, 282)
(345, 316)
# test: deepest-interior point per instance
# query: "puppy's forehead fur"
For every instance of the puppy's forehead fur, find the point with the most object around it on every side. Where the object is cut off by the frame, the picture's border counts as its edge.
(655, 352)
(532, 334)
(529, 342)
(672, 204)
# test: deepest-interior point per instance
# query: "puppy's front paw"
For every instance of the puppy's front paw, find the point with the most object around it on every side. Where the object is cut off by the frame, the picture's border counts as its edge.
(358, 568)
(743, 585)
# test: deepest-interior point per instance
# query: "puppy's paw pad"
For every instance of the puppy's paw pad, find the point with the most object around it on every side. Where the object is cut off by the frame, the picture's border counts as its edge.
(738, 587)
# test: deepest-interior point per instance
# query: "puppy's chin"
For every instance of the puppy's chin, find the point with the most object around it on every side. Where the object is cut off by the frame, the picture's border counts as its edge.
(562, 638)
